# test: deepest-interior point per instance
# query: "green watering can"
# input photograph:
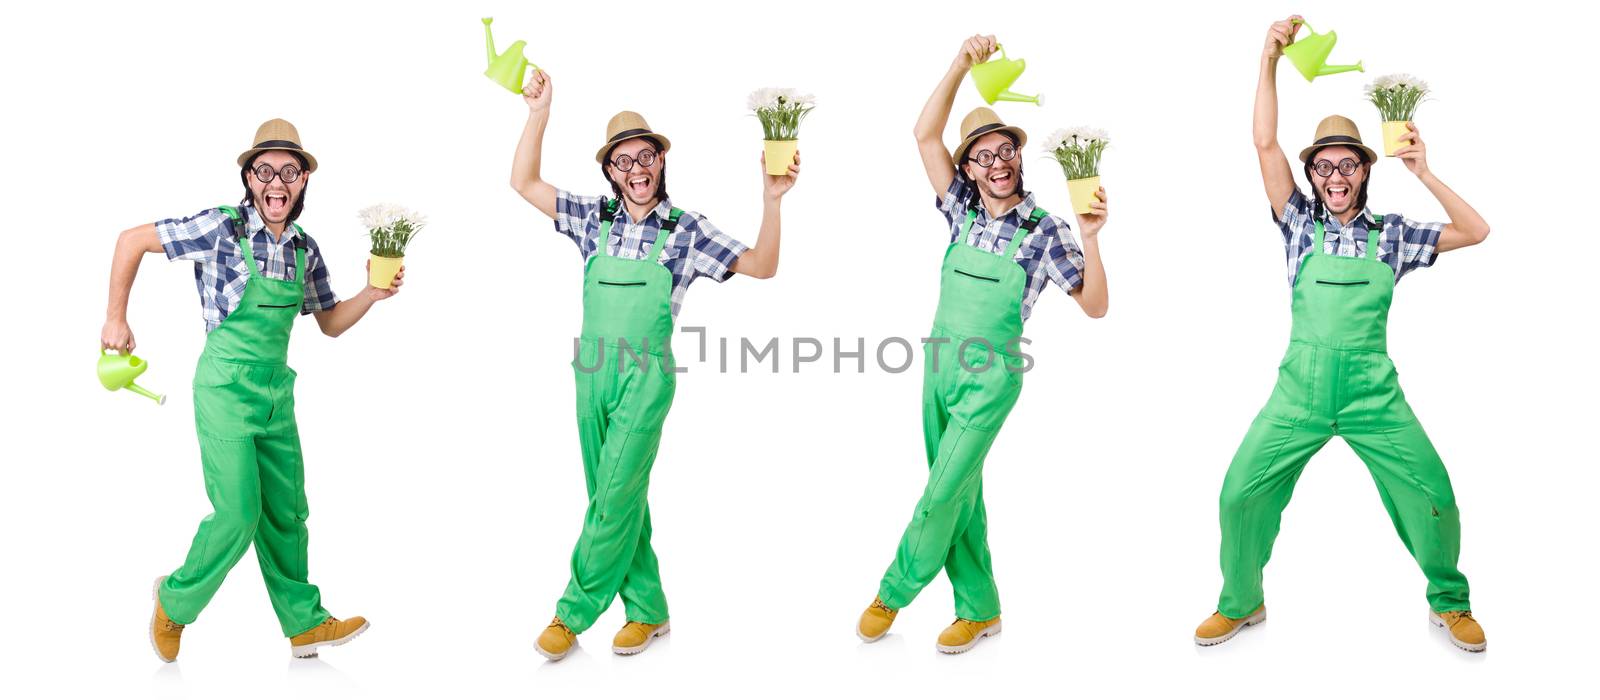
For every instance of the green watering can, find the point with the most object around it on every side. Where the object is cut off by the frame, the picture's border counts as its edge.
(1310, 54)
(117, 371)
(994, 77)
(508, 68)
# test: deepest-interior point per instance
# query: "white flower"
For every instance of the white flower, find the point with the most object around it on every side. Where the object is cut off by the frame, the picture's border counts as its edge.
(779, 98)
(1056, 139)
(382, 217)
(1397, 82)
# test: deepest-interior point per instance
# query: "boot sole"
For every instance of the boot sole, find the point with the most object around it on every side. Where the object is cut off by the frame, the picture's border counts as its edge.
(630, 651)
(870, 640)
(1255, 619)
(155, 595)
(1439, 622)
(989, 631)
(306, 651)
(553, 657)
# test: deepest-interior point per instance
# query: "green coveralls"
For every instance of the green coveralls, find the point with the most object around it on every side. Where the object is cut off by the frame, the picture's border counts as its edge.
(625, 387)
(1337, 379)
(965, 399)
(250, 452)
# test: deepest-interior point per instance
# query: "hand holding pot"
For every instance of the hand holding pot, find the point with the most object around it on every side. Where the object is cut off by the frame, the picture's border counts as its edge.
(1279, 35)
(537, 92)
(778, 185)
(1414, 156)
(1089, 224)
(376, 294)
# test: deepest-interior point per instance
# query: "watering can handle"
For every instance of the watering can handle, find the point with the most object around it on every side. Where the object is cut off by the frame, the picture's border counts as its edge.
(1000, 48)
(1309, 30)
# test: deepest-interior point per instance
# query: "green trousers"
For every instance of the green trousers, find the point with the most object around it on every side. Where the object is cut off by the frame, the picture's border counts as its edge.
(255, 478)
(620, 417)
(962, 412)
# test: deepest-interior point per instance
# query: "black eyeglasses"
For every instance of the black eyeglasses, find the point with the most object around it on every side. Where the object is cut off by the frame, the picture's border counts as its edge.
(625, 163)
(288, 173)
(985, 158)
(1324, 167)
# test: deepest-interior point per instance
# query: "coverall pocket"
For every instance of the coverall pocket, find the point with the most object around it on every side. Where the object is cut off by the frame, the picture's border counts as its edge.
(215, 373)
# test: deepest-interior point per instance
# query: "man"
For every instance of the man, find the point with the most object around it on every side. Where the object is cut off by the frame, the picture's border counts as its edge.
(253, 266)
(1336, 378)
(1003, 251)
(641, 253)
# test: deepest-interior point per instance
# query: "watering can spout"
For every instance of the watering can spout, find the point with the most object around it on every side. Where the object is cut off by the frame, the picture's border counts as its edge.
(488, 39)
(507, 68)
(994, 78)
(1330, 70)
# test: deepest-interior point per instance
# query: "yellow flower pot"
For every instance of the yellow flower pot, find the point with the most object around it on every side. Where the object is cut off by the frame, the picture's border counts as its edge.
(780, 155)
(381, 270)
(1082, 192)
(1392, 131)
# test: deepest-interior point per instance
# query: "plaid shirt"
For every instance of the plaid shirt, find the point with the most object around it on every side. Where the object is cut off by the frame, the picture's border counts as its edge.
(697, 249)
(207, 239)
(1404, 245)
(1048, 254)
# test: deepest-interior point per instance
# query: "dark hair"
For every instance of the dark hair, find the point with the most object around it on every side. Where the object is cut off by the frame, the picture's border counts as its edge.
(616, 191)
(1361, 196)
(249, 195)
(974, 199)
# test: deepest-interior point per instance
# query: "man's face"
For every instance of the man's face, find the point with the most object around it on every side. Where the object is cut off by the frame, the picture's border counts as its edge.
(1337, 190)
(274, 200)
(640, 182)
(999, 180)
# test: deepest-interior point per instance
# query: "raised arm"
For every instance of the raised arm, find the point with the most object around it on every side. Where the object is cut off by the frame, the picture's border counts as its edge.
(131, 248)
(1276, 174)
(525, 177)
(761, 261)
(936, 113)
(1466, 227)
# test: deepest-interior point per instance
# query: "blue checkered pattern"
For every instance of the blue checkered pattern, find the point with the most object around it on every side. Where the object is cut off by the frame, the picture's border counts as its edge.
(697, 249)
(1404, 245)
(208, 240)
(1048, 254)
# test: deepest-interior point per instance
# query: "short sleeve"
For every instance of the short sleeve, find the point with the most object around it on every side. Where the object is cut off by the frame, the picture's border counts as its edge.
(319, 287)
(577, 216)
(1418, 242)
(712, 253)
(194, 238)
(1063, 259)
(954, 202)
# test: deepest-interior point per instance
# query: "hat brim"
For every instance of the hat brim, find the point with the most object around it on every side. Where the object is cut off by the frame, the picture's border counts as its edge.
(960, 153)
(311, 161)
(600, 155)
(1346, 141)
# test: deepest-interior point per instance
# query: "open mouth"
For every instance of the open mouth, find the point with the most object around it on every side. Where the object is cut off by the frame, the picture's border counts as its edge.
(639, 186)
(1338, 195)
(1000, 179)
(277, 204)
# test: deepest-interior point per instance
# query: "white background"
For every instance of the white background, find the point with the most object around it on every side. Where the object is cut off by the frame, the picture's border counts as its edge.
(443, 468)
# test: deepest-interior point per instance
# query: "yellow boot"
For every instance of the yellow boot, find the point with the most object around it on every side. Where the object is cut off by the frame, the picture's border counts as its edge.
(164, 633)
(1220, 628)
(556, 640)
(635, 637)
(1465, 632)
(962, 635)
(331, 633)
(875, 621)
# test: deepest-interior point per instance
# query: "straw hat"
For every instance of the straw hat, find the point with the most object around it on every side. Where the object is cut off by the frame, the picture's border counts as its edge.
(978, 122)
(1338, 131)
(277, 135)
(624, 126)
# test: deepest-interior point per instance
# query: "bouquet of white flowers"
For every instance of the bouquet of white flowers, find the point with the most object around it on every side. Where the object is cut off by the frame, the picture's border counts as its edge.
(780, 111)
(391, 228)
(1078, 151)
